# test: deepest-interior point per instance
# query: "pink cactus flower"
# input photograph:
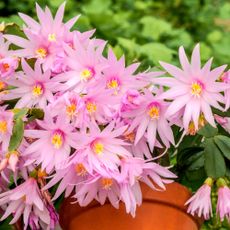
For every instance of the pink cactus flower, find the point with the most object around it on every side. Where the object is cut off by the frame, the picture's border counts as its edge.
(150, 117)
(226, 79)
(23, 200)
(44, 39)
(223, 202)
(200, 202)
(193, 88)
(53, 143)
(6, 127)
(33, 87)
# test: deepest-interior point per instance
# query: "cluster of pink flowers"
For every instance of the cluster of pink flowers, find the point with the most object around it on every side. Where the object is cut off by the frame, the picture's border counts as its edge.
(102, 119)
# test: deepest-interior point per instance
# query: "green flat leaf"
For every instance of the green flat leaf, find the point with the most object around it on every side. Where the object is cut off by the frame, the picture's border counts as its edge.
(214, 161)
(17, 135)
(208, 131)
(223, 143)
(36, 113)
(20, 113)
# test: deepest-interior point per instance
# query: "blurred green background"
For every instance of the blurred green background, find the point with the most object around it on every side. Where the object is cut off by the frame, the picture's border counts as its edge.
(146, 30)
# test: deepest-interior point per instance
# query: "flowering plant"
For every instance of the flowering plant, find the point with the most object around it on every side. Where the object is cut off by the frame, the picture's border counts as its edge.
(74, 117)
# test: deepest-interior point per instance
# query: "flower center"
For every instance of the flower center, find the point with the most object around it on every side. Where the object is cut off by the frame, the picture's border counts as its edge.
(80, 169)
(3, 126)
(130, 137)
(57, 139)
(97, 147)
(41, 52)
(196, 89)
(91, 107)
(37, 90)
(70, 109)
(154, 111)
(106, 183)
(87, 74)
(113, 84)
(52, 37)
(5, 66)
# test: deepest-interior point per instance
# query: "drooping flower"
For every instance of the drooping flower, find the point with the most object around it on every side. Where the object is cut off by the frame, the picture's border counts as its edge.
(24, 200)
(6, 127)
(44, 38)
(200, 202)
(223, 202)
(193, 88)
(52, 144)
(33, 87)
(150, 117)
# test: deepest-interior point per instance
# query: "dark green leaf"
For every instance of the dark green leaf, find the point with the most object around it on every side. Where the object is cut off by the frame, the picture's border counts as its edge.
(214, 161)
(223, 143)
(208, 131)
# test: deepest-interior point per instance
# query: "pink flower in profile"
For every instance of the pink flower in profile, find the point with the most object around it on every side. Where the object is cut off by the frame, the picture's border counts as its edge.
(44, 39)
(24, 200)
(33, 87)
(8, 63)
(6, 127)
(200, 202)
(193, 88)
(223, 202)
(224, 122)
(150, 117)
(53, 142)
(226, 79)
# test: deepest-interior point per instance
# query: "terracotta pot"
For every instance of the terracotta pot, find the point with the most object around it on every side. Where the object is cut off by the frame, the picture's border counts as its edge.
(159, 211)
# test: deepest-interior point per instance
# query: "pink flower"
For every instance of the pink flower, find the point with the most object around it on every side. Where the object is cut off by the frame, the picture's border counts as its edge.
(53, 144)
(200, 202)
(224, 122)
(23, 200)
(223, 202)
(226, 79)
(193, 88)
(33, 87)
(103, 149)
(85, 65)
(44, 39)
(150, 117)
(8, 63)
(6, 127)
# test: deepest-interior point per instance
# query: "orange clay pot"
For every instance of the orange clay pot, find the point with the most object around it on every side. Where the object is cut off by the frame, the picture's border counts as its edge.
(159, 211)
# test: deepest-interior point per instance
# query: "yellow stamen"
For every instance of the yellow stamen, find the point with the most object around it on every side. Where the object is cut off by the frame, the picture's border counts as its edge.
(106, 183)
(3, 126)
(98, 147)
(80, 169)
(91, 107)
(37, 90)
(191, 129)
(57, 140)
(112, 84)
(52, 37)
(41, 173)
(24, 198)
(196, 89)
(86, 74)
(41, 52)
(154, 112)
(70, 109)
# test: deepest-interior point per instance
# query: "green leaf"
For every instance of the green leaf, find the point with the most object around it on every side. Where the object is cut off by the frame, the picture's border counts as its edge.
(223, 143)
(208, 131)
(17, 135)
(36, 113)
(214, 161)
(20, 113)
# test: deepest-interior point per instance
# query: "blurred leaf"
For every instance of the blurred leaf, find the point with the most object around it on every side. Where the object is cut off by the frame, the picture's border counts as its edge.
(17, 134)
(223, 143)
(208, 131)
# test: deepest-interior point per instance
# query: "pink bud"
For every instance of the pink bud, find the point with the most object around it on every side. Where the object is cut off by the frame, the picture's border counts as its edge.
(13, 160)
(3, 164)
(221, 120)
